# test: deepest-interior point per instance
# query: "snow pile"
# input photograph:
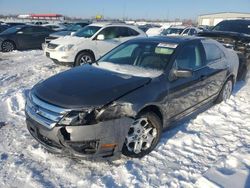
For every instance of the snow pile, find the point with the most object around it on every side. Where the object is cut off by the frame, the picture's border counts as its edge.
(210, 150)
(129, 70)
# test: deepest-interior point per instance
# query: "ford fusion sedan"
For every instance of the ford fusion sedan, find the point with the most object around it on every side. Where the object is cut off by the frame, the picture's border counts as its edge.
(90, 43)
(121, 104)
(23, 37)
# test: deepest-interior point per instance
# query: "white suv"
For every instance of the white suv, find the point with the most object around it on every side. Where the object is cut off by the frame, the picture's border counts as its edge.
(90, 43)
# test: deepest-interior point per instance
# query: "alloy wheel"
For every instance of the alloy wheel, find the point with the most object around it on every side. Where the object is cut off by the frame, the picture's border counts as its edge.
(8, 46)
(85, 59)
(140, 136)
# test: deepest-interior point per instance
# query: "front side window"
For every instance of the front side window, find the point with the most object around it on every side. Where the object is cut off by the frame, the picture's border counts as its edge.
(110, 33)
(87, 32)
(189, 57)
(12, 29)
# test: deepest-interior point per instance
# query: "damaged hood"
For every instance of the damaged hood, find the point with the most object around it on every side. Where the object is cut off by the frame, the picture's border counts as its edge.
(87, 86)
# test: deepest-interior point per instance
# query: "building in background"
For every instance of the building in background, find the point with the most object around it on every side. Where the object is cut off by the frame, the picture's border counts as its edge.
(213, 19)
(41, 16)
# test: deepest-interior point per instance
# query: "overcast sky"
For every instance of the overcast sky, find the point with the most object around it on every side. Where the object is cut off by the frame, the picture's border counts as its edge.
(149, 9)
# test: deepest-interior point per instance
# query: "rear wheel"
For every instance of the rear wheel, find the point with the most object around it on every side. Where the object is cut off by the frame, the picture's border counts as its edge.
(84, 58)
(8, 46)
(143, 136)
(226, 91)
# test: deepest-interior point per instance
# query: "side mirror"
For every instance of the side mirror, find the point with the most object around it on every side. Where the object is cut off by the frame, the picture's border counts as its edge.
(100, 37)
(19, 32)
(182, 73)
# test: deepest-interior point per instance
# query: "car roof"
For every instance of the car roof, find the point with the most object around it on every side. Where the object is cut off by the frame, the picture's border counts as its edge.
(178, 26)
(168, 39)
(238, 20)
(103, 24)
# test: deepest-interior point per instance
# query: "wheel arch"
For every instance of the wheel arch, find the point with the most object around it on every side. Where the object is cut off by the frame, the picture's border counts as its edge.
(155, 109)
(86, 50)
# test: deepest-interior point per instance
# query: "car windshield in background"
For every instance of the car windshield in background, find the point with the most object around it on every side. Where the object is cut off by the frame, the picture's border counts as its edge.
(149, 55)
(87, 31)
(233, 27)
(12, 29)
(73, 27)
(170, 31)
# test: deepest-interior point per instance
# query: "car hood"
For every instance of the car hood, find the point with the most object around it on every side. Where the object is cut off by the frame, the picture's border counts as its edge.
(61, 33)
(225, 34)
(87, 86)
(69, 40)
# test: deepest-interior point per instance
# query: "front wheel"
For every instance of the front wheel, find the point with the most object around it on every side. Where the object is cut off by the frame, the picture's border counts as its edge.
(143, 136)
(84, 58)
(226, 91)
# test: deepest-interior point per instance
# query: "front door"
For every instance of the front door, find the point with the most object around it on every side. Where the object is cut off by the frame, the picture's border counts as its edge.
(186, 93)
(111, 40)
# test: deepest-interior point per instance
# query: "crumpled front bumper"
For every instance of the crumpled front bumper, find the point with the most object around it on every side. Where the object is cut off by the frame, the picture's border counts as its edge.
(102, 140)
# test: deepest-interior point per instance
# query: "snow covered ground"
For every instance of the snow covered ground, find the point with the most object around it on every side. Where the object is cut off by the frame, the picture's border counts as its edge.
(210, 150)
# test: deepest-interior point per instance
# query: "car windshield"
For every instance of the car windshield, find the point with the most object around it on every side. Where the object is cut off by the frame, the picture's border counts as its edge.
(87, 31)
(138, 58)
(170, 31)
(231, 26)
(12, 29)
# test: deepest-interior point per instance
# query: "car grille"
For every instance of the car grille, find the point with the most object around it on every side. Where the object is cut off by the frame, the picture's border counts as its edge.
(52, 46)
(44, 113)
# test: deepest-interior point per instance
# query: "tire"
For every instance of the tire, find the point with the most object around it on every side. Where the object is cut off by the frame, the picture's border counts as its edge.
(226, 91)
(84, 58)
(145, 133)
(8, 46)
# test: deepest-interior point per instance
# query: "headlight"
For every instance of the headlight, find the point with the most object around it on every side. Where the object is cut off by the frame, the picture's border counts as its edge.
(76, 118)
(65, 48)
(113, 111)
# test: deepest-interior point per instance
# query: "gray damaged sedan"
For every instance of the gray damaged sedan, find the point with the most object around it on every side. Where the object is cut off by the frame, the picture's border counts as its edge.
(121, 103)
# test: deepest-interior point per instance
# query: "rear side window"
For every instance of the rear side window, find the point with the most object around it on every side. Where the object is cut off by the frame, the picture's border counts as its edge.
(127, 32)
(212, 51)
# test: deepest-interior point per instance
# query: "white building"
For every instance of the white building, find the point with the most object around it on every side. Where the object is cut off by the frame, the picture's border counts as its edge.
(213, 19)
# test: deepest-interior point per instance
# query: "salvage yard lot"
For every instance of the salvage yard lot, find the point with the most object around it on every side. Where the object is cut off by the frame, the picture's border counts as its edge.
(210, 149)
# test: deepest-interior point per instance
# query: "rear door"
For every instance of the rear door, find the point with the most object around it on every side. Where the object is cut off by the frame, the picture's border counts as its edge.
(216, 67)
(24, 38)
(39, 34)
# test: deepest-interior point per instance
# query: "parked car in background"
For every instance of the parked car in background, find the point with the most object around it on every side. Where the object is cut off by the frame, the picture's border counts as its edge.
(234, 34)
(90, 43)
(22, 37)
(55, 27)
(180, 30)
(15, 23)
(146, 27)
(122, 103)
(69, 30)
(173, 30)
(3, 27)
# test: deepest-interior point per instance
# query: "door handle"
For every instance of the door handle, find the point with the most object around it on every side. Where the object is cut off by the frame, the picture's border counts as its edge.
(203, 77)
